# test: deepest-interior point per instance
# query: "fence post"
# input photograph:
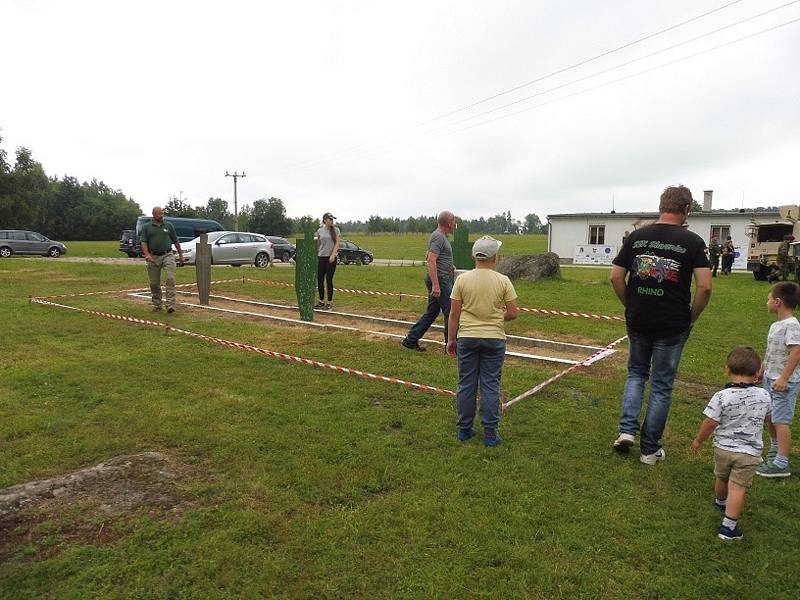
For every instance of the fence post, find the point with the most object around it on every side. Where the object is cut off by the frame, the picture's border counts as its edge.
(203, 269)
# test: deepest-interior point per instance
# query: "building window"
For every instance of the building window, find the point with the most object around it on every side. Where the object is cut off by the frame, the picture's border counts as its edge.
(597, 234)
(721, 231)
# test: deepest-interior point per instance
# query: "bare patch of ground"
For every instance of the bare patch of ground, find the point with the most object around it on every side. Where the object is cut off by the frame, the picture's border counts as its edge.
(87, 506)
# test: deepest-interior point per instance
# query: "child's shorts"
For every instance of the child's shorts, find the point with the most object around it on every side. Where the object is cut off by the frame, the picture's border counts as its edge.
(782, 402)
(737, 467)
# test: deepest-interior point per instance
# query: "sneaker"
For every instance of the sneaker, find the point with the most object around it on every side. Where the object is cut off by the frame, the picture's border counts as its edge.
(651, 459)
(406, 344)
(156, 309)
(171, 310)
(719, 507)
(624, 442)
(328, 306)
(320, 305)
(769, 469)
(771, 454)
(465, 434)
(492, 441)
(726, 533)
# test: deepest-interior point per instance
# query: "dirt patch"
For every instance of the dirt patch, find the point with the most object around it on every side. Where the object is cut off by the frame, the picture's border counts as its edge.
(89, 505)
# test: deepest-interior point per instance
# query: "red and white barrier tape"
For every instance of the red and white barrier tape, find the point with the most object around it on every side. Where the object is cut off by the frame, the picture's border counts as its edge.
(139, 289)
(544, 311)
(566, 371)
(344, 290)
(565, 313)
(249, 348)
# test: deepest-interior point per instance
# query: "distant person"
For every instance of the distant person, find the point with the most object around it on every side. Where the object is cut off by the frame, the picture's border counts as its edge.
(783, 256)
(157, 238)
(482, 300)
(781, 376)
(736, 416)
(439, 281)
(652, 277)
(728, 254)
(714, 252)
(327, 238)
(625, 236)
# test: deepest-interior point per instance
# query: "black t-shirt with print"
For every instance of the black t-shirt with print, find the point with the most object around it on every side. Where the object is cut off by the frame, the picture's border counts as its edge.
(660, 260)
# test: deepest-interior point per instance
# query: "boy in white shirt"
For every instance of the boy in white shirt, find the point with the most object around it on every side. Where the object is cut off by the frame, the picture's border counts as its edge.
(737, 414)
(781, 376)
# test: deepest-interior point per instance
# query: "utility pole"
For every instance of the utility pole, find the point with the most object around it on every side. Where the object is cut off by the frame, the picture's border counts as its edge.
(235, 176)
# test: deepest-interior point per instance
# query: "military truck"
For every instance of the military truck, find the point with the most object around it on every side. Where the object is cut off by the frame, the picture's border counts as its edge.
(766, 237)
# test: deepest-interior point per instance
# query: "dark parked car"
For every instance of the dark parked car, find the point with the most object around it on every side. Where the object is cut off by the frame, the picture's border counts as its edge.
(128, 245)
(19, 241)
(350, 253)
(186, 229)
(283, 248)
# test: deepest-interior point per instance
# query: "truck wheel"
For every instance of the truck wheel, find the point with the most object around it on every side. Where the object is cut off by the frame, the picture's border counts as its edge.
(760, 275)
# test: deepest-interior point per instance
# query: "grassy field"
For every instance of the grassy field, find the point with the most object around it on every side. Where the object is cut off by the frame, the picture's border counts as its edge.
(411, 246)
(298, 482)
(95, 249)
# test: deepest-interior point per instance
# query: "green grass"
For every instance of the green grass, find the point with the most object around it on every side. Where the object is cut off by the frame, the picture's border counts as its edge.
(322, 485)
(95, 249)
(413, 246)
(383, 245)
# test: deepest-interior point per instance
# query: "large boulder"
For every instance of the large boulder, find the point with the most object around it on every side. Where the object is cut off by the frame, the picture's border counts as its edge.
(530, 267)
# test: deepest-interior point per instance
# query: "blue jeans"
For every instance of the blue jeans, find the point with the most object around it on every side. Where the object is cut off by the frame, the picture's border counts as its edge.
(655, 358)
(442, 303)
(480, 361)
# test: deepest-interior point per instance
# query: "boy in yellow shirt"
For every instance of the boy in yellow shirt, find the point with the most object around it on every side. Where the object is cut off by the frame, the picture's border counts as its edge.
(482, 300)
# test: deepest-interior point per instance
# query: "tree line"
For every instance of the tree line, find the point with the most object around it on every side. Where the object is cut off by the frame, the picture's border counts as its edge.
(268, 215)
(61, 209)
(67, 209)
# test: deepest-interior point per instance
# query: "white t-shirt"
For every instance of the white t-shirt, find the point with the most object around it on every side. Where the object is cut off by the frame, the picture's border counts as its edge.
(782, 335)
(740, 412)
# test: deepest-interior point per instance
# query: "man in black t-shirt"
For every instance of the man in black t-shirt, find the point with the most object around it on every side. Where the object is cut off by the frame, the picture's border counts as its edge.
(652, 276)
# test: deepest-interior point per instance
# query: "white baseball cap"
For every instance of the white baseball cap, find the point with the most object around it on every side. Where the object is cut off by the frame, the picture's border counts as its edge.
(486, 247)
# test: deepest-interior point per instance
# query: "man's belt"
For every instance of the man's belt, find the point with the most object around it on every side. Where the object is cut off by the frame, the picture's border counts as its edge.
(161, 253)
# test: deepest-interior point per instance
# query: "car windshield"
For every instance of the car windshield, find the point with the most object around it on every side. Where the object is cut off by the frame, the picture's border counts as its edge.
(212, 237)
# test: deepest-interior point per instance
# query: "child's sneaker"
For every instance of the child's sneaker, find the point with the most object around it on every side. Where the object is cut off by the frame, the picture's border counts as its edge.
(320, 305)
(491, 440)
(651, 459)
(719, 507)
(771, 454)
(726, 533)
(465, 434)
(624, 442)
(770, 469)
(329, 306)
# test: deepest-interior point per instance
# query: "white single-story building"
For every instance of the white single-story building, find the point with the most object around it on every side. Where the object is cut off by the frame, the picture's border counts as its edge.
(595, 238)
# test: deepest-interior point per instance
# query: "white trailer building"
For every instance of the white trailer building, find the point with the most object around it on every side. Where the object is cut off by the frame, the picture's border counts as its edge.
(595, 238)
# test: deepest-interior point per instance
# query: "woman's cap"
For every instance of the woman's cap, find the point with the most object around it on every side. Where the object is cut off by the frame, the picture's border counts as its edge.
(328, 216)
(486, 247)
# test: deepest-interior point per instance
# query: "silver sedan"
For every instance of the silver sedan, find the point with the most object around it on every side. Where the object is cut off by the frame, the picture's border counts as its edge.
(235, 248)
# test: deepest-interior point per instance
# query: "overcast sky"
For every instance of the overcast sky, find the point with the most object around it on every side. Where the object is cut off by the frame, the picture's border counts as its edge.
(335, 105)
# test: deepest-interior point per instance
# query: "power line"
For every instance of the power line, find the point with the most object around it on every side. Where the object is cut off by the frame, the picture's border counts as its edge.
(522, 85)
(608, 83)
(427, 134)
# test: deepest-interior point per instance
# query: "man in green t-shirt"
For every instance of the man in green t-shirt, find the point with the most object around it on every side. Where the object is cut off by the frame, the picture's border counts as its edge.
(157, 238)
